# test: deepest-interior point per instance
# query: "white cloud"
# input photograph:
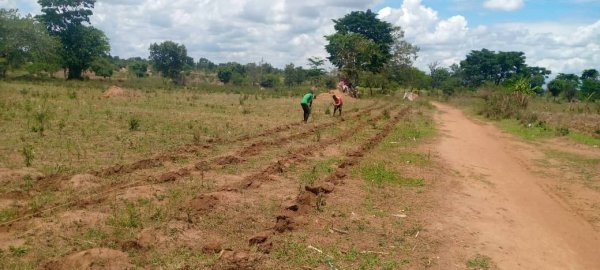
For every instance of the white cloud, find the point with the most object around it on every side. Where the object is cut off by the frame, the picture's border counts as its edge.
(505, 5)
(561, 47)
(284, 31)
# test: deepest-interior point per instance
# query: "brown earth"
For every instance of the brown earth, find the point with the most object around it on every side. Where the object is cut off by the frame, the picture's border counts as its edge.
(497, 206)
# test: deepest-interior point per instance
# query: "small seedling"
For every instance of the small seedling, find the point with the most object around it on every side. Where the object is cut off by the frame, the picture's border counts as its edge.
(28, 155)
(134, 124)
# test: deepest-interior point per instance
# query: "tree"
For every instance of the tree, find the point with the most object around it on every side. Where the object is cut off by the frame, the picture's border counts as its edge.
(486, 65)
(81, 44)
(23, 40)
(138, 68)
(206, 65)
(102, 67)
(352, 53)
(590, 86)
(369, 26)
(169, 58)
(565, 84)
(293, 75)
(590, 74)
(316, 71)
(403, 53)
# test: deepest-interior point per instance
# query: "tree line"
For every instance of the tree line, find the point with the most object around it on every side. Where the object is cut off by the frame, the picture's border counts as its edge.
(364, 50)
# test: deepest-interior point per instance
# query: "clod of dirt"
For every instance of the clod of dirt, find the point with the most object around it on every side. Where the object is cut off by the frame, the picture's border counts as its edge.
(82, 182)
(284, 223)
(323, 188)
(115, 91)
(228, 160)
(238, 259)
(174, 175)
(149, 237)
(92, 259)
(261, 240)
(131, 245)
(290, 205)
(305, 199)
(212, 247)
(204, 202)
(201, 166)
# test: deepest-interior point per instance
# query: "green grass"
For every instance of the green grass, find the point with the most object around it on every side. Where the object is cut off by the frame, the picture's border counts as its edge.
(7, 214)
(584, 138)
(319, 168)
(514, 127)
(479, 262)
(377, 174)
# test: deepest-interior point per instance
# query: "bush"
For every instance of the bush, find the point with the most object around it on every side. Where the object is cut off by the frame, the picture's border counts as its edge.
(134, 124)
(501, 105)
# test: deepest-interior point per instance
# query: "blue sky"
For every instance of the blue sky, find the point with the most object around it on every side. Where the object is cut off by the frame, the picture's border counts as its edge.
(562, 35)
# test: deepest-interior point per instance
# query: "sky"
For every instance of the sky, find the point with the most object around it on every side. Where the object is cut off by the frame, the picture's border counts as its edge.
(562, 35)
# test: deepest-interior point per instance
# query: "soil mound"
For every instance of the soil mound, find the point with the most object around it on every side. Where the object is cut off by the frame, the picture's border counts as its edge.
(115, 91)
(204, 203)
(93, 259)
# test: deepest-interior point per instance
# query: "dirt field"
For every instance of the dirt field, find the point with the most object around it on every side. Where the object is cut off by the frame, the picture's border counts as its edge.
(390, 185)
(288, 196)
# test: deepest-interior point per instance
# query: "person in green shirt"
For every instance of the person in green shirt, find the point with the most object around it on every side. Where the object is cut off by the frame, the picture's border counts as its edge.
(306, 104)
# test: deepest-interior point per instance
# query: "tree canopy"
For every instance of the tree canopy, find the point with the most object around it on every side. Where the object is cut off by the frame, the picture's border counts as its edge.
(23, 40)
(81, 44)
(169, 58)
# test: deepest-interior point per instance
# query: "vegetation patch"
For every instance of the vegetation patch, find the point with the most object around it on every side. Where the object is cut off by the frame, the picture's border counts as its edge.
(379, 175)
(479, 262)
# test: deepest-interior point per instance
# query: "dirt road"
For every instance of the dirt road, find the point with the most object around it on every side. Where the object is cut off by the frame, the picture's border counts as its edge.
(500, 208)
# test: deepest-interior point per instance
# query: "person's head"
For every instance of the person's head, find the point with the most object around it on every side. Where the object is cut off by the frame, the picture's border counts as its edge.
(335, 97)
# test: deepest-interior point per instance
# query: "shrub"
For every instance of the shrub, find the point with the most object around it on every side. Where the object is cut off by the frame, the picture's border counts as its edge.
(134, 124)
(562, 131)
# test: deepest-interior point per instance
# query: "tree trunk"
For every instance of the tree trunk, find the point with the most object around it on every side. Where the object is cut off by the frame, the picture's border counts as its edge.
(75, 73)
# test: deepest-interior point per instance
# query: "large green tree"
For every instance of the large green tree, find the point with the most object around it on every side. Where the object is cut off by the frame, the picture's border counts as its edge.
(485, 65)
(352, 53)
(81, 43)
(364, 44)
(169, 58)
(23, 41)
(590, 85)
(369, 26)
(565, 85)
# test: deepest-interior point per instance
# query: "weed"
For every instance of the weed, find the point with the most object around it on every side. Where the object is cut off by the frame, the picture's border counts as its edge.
(562, 131)
(72, 94)
(246, 111)
(328, 110)
(386, 114)
(41, 118)
(28, 154)
(18, 251)
(61, 125)
(378, 174)
(134, 123)
(40, 201)
(318, 135)
(27, 182)
(479, 262)
(7, 214)
(129, 218)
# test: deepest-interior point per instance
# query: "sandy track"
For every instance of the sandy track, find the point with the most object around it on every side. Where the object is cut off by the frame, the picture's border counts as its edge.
(500, 208)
